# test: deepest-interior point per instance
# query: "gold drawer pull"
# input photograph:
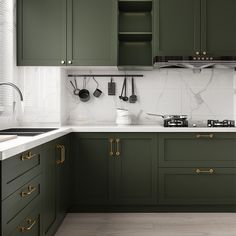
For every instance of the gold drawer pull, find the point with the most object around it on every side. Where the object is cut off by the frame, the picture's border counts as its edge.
(117, 147)
(62, 154)
(205, 136)
(211, 171)
(27, 156)
(111, 153)
(31, 224)
(31, 189)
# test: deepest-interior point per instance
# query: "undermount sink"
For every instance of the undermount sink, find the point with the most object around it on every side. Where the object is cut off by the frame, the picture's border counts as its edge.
(26, 131)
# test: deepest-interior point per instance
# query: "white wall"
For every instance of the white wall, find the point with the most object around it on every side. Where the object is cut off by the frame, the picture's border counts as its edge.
(8, 69)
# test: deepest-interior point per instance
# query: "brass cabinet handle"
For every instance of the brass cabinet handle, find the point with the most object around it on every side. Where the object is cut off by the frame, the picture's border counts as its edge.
(117, 147)
(31, 189)
(30, 223)
(204, 53)
(197, 53)
(111, 140)
(205, 136)
(62, 154)
(210, 171)
(27, 156)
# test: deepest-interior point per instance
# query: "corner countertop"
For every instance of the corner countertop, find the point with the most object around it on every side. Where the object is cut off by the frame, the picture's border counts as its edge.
(21, 144)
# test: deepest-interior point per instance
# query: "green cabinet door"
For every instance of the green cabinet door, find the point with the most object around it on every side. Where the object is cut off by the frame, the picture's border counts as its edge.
(91, 34)
(197, 186)
(62, 146)
(218, 27)
(177, 27)
(135, 168)
(91, 169)
(49, 189)
(41, 39)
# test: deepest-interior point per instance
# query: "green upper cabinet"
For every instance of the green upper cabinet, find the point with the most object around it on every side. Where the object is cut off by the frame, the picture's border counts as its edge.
(92, 30)
(198, 28)
(177, 27)
(41, 32)
(67, 32)
(218, 26)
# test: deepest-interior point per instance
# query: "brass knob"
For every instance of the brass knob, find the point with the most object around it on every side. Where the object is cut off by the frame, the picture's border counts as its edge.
(63, 62)
(70, 62)
(204, 53)
(211, 58)
(197, 53)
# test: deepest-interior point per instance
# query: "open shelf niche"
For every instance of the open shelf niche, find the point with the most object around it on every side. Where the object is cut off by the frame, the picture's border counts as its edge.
(135, 33)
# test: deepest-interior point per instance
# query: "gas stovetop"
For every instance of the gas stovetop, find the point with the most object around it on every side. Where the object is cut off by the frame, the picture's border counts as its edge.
(209, 123)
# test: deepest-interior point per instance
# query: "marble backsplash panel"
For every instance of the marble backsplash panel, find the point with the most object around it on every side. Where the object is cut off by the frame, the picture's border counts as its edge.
(206, 95)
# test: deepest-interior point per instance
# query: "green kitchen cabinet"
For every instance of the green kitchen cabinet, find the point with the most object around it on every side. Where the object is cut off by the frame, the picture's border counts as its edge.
(41, 32)
(197, 186)
(114, 169)
(177, 27)
(92, 32)
(63, 185)
(91, 168)
(197, 150)
(49, 190)
(203, 29)
(66, 32)
(56, 187)
(218, 27)
(135, 160)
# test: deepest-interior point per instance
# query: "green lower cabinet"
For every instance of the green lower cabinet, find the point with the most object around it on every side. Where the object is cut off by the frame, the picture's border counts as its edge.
(49, 189)
(63, 187)
(114, 169)
(197, 150)
(201, 186)
(55, 189)
(91, 168)
(135, 169)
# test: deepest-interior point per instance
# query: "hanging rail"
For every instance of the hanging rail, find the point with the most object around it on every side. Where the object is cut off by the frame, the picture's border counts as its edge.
(91, 75)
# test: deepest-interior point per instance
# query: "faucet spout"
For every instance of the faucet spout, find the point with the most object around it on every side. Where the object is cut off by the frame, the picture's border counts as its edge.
(15, 87)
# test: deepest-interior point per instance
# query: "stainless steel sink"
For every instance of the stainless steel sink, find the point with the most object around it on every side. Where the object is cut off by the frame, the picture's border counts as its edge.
(26, 131)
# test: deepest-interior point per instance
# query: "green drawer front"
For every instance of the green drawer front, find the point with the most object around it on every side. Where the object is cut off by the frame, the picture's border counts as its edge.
(18, 170)
(27, 222)
(197, 149)
(184, 186)
(20, 199)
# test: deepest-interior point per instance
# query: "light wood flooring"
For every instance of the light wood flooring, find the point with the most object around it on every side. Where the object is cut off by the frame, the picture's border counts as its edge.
(149, 224)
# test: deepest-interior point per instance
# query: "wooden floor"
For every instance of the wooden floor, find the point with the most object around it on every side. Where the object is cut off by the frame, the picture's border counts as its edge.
(149, 224)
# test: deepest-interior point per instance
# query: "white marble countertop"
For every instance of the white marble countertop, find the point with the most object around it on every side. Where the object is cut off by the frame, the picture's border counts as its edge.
(21, 144)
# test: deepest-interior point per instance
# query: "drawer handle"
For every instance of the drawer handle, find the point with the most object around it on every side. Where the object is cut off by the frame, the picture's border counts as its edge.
(30, 223)
(31, 189)
(62, 154)
(205, 136)
(117, 147)
(211, 171)
(27, 156)
(111, 140)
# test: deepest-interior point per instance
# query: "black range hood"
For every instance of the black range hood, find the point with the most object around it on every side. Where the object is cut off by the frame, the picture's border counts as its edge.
(194, 62)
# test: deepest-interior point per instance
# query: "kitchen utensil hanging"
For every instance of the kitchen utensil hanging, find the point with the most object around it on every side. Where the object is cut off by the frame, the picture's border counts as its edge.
(133, 97)
(84, 93)
(111, 88)
(75, 87)
(97, 93)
